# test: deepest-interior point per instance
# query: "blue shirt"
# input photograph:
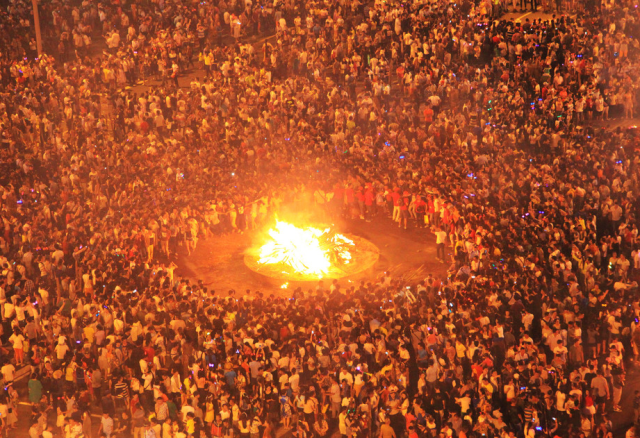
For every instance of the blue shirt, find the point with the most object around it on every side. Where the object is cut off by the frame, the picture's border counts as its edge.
(231, 377)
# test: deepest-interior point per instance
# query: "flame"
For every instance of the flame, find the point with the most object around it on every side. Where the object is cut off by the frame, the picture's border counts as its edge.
(308, 250)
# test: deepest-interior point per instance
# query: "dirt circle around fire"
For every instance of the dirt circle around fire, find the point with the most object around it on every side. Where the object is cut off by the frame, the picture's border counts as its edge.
(364, 256)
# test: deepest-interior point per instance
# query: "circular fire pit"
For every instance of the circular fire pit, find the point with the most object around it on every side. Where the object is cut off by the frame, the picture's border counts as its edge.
(295, 253)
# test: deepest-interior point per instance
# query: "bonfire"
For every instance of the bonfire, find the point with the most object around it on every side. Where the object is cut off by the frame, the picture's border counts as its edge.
(309, 251)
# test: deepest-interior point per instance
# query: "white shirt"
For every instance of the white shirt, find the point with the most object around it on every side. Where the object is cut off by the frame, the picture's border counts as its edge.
(294, 382)
(17, 341)
(61, 351)
(8, 309)
(185, 410)
(283, 380)
(8, 372)
(560, 400)
(175, 383)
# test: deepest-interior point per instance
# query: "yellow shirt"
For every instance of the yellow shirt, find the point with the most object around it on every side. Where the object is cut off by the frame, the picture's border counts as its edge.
(460, 349)
(187, 383)
(387, 431)
(488, 387)
(69, 373)
(385, 369)
(89, 332)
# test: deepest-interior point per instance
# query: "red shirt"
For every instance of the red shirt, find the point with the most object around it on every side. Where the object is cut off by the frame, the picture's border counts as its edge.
(389, 196)
(368, 197)
(348, 193)
(409, 418)
(477, 371)
(397, 199)
(149, 353)
(428, 115)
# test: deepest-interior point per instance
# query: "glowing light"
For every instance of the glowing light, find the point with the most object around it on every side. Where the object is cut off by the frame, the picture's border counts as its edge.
(284, 285)
(309, 251)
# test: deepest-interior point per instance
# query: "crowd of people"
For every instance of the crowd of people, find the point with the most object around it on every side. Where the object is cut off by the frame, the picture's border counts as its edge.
(146, 126)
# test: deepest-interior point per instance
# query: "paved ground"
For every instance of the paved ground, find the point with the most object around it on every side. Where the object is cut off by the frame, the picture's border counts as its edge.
(219, 260)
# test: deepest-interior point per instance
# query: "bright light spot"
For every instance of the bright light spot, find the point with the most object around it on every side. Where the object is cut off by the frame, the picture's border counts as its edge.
(309, 251)
(284, 285)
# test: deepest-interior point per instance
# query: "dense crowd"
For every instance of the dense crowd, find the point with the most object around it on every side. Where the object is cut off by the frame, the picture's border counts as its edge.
(149, 125)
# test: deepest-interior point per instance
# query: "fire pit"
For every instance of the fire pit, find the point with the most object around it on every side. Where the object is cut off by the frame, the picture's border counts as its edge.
(308, 253)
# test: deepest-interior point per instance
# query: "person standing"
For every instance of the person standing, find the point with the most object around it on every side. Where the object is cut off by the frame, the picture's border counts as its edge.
(162, 410)
(106, 425)
(618, 384)
(86, 424)
(8, 372)
(397, 203)
(441, 239)
(138, 422)
(35, 389)
(149, 431)
(96, 384)
(627, 103)
(17, 340)
(174, 74)
(386, 431)
(636, 406)
(404, 210)
(601, 387)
